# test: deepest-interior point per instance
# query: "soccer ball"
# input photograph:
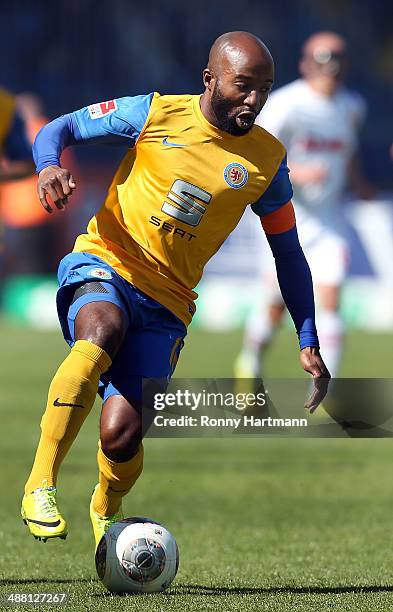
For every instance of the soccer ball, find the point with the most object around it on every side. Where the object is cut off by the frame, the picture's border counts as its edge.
(137, 555)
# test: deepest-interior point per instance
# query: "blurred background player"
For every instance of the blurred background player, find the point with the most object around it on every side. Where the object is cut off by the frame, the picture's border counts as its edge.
(30, 236)
(26, 227)
(15, 151)
(317, 118)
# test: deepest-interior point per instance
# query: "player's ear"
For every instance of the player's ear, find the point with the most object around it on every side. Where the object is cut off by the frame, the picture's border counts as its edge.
(207, 78)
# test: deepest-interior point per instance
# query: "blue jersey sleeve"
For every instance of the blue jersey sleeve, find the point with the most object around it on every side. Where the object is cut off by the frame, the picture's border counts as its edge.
(277, 194)
(294, 278)
(16, 145)
(52, 139)
(124, 117)
(117, 121)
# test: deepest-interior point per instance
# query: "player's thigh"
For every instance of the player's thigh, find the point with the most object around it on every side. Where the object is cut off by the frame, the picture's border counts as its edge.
(328, 296)
(98, 313)
(147, 353)
(101, 322)
(92, 302)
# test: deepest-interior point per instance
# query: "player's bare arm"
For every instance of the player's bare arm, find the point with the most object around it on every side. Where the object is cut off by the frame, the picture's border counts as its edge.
(58, 184)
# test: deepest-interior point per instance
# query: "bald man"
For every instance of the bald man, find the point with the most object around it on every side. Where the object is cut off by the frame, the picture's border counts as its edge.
(317, 118)
(126, 296)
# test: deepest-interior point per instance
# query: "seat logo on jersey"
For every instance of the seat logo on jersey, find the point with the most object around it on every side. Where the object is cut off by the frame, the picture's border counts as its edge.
(96, 111)
(235, 175)
(99, 273)
(185, 196)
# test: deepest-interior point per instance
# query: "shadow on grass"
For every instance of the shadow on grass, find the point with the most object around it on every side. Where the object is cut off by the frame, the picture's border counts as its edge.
(11, 581)
(197, 589)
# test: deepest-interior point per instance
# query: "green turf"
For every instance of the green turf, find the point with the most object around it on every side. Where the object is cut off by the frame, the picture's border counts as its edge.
(262, 524)
(365, 355)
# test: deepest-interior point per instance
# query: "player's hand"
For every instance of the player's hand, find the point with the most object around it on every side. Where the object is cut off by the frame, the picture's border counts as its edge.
(58, 184)
(313, 363)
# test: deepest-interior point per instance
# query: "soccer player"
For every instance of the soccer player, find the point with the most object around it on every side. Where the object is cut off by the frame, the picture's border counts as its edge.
(317, 118)
(126, 292)
(15, 151)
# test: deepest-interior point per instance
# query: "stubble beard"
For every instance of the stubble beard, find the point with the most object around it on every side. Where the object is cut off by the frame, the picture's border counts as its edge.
(221, 108)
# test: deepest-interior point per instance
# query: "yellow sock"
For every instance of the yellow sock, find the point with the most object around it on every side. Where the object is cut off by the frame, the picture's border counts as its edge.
(70, 399)
(115, 479)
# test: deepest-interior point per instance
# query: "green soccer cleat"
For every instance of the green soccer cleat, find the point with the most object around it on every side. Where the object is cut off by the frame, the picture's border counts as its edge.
(101, 524)
(40, 514)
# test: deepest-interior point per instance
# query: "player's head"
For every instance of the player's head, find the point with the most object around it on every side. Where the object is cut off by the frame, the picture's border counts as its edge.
(324, 60)
(238, 80)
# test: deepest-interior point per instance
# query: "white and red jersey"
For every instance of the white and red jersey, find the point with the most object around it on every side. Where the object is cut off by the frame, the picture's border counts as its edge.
(316, 130)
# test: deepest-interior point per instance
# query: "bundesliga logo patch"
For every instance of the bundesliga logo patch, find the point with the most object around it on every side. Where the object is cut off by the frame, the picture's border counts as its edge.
(235, 175)
(103, 108)
(99, 273)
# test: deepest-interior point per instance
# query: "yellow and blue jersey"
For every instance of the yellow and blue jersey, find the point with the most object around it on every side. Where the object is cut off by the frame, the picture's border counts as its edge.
(179, 191)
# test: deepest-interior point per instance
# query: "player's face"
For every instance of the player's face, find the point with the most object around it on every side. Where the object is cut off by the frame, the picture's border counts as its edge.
(239, 93)
(325, 64)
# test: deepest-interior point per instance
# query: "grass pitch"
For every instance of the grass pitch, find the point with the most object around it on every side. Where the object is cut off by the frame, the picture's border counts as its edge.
(262, 524)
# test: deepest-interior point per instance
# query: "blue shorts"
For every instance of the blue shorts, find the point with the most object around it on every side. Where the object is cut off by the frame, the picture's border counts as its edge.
(154, 336)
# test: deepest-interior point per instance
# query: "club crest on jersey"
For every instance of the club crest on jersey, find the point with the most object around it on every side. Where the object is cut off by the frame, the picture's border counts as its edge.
(235, 175)
(99, 273)
(101, 109)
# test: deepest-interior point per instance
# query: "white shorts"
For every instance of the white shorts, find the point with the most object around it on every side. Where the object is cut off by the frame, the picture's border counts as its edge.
(326, 252)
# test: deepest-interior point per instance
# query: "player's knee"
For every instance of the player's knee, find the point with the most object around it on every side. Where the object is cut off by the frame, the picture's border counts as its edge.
(120, 440)
(276, 312)
(102, 323)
